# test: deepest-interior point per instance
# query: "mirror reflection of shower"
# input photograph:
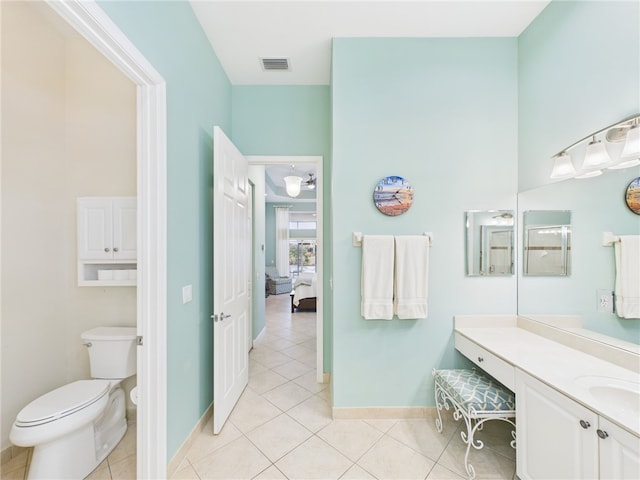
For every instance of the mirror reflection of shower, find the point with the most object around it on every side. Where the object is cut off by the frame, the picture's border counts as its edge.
(489, 242)
(547, 243)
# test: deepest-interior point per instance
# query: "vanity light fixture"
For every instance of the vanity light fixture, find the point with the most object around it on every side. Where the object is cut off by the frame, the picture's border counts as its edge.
(563, 168)
(596, 156)
(292, 183)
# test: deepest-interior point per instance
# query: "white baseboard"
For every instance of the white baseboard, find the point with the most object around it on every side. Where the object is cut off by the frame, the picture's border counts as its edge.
(260, 335)
(180, 455)
(362, 413)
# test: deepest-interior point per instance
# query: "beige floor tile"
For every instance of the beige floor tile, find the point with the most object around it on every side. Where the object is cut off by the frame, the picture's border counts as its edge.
(251, 411)
(390, 459)
(269, 359)
(101, 472)
(309, 381)
(314, 459)
(422, 436)
(496, 435)
(206, 442)
(441, 473)
(293, 369)
(352, 438)
(356, 472)
(16, 466)
(488, 464)
(287, 396)
(313, 413)
(326, 396)
(271, 473)
(279, 436)
(126, 446)
(265, 381)
(239, 459)
(382, 424)
(185, 473)
(124, 469)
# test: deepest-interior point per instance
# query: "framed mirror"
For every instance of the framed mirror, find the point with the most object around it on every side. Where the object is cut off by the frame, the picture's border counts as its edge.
(489, 242)
(547, 242)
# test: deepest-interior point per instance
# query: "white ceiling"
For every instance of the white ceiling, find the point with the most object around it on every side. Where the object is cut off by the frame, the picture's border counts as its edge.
(243, 31)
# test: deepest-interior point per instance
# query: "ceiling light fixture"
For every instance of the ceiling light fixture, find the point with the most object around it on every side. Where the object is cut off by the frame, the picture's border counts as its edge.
(292, 183)
(596, 156)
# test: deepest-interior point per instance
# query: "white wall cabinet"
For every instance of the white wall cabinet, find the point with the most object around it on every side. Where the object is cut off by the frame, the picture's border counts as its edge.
(560, 438)
(107, 241)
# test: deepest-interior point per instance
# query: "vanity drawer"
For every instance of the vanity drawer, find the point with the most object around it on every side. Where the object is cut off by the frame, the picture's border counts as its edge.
(496, 367)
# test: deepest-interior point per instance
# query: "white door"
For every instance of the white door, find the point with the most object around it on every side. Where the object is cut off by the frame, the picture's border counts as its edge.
(231, 263)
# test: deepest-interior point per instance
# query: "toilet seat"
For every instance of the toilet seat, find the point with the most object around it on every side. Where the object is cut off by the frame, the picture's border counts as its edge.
(62, 401)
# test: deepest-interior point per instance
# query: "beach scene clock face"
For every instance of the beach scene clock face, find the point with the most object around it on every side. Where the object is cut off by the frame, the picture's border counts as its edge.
(393, 195)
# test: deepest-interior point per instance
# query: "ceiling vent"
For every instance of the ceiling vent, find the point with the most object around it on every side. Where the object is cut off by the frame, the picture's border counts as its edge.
(275, 64)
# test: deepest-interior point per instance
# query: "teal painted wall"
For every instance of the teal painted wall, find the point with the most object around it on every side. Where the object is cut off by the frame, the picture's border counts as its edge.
(443, 114)
(572, 83)
(289, 120)
(198, 97)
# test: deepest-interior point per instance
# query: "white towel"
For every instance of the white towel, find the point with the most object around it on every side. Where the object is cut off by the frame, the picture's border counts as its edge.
(628, 276)
(412, 276)
(377, 277)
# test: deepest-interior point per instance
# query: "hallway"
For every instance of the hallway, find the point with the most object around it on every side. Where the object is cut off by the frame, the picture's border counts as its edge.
(282, 428)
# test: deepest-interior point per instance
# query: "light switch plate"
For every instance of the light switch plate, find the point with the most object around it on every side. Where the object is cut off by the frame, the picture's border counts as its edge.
(187, 294)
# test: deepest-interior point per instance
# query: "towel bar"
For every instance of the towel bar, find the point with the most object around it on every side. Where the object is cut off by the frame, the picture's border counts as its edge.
(609, 239)
(357, 238)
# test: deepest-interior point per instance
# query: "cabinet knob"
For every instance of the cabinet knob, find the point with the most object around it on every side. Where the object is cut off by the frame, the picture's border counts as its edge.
(115, 249)
(584, 424)
(480, 359)
(602, 434)
(107, 249)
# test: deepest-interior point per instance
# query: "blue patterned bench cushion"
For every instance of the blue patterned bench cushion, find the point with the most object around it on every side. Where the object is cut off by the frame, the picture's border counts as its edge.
(472, 389)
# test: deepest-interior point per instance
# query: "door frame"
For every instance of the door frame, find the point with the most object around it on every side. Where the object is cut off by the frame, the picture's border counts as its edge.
(92, 23)
(317, 161)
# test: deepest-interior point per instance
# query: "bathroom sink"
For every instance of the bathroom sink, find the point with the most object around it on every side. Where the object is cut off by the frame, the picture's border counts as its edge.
(623, 395)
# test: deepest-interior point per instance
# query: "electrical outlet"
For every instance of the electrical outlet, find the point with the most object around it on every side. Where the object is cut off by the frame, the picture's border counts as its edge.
(605, 301)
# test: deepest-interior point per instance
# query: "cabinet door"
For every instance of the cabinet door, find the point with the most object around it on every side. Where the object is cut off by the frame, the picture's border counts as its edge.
(619, 453)
(94, 229)
(124, 229)
(551, 443)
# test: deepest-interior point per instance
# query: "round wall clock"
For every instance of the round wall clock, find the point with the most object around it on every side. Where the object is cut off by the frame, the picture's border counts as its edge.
(393, 195)
(632, 196)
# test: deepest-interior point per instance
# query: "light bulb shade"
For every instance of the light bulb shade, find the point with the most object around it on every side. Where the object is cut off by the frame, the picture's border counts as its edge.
(591, 174)
(632, 143)
(563, 168)
(596, 155)
(292, 184)
(625, 164)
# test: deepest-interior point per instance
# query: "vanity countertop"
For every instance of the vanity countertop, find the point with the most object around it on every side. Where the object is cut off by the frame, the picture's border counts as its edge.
(566, 369)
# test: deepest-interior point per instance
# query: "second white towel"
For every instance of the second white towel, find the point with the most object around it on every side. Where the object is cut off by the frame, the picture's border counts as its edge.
(411, 276)
(627, 253)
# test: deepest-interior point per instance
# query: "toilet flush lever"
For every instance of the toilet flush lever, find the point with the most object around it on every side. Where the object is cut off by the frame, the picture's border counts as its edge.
(88, 344)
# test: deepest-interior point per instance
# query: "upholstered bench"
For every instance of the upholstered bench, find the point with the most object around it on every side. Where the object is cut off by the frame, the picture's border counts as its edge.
(476, 398)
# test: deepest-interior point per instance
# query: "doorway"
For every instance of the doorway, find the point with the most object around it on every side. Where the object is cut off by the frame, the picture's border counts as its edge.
(317, 162)
(91, 22)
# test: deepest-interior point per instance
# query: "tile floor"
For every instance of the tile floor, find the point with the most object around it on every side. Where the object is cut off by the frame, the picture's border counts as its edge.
(282, 428)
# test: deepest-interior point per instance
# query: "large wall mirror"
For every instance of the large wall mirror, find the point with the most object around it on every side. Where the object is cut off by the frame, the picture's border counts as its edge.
(547, 242)
(489, 242)
(591, 207)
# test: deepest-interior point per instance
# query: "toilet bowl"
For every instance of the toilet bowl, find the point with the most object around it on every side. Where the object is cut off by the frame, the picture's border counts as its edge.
(74, 427)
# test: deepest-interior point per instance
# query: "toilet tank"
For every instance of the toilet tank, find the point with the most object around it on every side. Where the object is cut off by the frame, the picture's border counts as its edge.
(112, 351)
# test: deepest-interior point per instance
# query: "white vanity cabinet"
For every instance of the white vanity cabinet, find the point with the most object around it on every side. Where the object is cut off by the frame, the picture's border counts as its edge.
(560, 438)
(107, 241)
(619, 452)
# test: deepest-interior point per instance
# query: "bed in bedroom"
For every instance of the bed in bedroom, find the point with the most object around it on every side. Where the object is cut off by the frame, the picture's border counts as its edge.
(303, 295)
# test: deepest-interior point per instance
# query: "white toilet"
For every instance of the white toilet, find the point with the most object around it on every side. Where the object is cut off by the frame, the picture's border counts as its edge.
(74, 427)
